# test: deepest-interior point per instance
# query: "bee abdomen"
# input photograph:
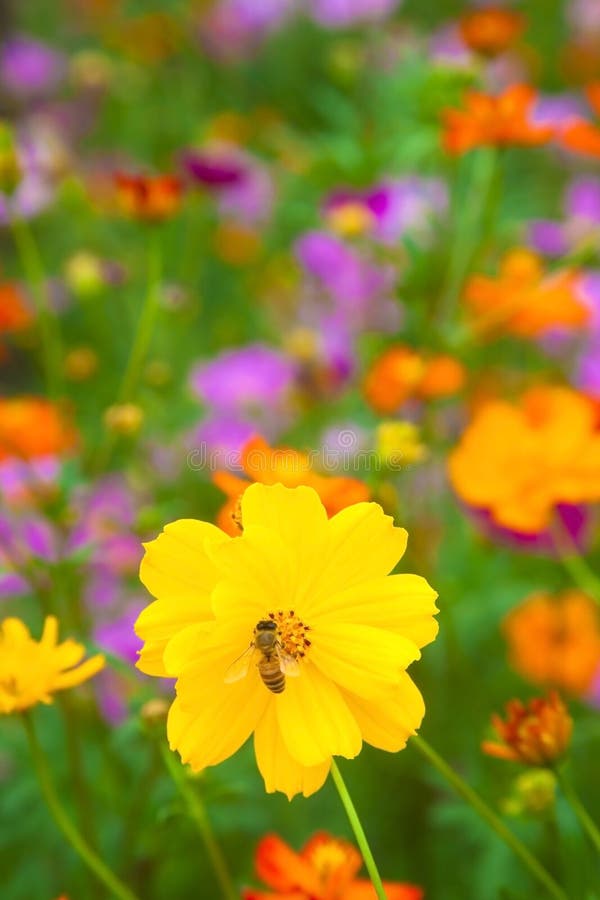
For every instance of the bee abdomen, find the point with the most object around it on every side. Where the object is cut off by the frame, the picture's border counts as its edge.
(272, 676)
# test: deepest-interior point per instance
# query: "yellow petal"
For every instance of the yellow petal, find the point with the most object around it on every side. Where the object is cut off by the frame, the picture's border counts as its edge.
(177, 569)
(294, 513)
(364, 660)
(389, 723)
(81, 673)
(209, 721)
(404, 604)
(314, 719)
(363, 544)
(279, 770)
(50, 632)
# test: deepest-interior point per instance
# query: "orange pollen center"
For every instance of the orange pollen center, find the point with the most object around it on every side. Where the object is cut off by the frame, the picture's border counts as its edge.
(328, 857)
(292, 632)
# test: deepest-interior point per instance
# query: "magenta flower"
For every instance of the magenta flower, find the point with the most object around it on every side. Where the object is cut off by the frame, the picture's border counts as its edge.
(243, 185)
(581, 222)
(343, 13)
(29, 68)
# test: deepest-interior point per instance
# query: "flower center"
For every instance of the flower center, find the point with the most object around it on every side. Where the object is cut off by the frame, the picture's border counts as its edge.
(292, 632)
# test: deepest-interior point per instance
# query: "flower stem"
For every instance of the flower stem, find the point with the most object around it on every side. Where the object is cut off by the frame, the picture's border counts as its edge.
(64, 823)
(35, 274)
(198, 815)
(583, 576)
(359, 834)
(461, 787)
(574, 801)
(140, 345)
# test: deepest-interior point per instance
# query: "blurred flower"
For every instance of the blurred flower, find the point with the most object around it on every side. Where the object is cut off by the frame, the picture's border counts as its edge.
(29, 188)
(235, 29)
(150, 198)
(81, 363)
(580, 135)
(491, 30)
(325, 869)
(503, 120)
(535, 734)
(524, 300)
(124, 418)
(267, 465)
(32, 671)
(399, 443)
(242, 184)
(581, 224)
(15, 314)
(348, 629)
(554, 641)
(401, 373)
(388, 210)
(29, 68)
(534, 793)
(588, 370)
(32, 427)
(84, 274)
(520, 461)
(249, 383)
(344, 13)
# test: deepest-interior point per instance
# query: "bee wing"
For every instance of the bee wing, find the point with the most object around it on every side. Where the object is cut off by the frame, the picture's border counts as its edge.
(239, 667)
(288, 664)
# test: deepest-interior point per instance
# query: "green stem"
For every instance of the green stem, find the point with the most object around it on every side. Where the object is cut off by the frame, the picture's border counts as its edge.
(64, 823)
(359, 833)
(583, 576)
(583, 816)
(140, 345)
(35, 274)
(468, 224)
(489, 817)
(198, 814)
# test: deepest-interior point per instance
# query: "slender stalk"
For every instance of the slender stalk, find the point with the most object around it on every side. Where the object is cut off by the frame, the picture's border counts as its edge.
(359, 833)
(461, 787)
(64, 823)
(574, 801)
(198, 814)
(468, 226)
(140, 345)
(33, 267)
(583, 576)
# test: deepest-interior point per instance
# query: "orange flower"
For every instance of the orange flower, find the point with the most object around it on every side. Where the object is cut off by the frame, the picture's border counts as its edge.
(31, 427)
(524, 300)
(401, 374)
(494, 121)
(583, 136)
(518, 461)
(325, 869)
(150, 198)
(555, 641)
(14, 313)
(535, 734)
(491, 30)
(273, 465)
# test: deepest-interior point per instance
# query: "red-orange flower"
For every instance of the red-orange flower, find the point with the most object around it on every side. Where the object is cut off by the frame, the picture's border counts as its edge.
(31, 427)
(554, 641)
(491, 30)
(486, 120)
(150, 198)
(325, 869)
(15, 315)
(524, 300)
(582, 136)
(536, 734)
(401, 374)
(273, 465)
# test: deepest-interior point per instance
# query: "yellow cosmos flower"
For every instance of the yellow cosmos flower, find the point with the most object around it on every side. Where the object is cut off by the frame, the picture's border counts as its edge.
(346, 631)
(31, 671)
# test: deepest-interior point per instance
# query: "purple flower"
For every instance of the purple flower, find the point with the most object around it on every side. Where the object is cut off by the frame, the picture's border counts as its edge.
(587, 377)
(576, 520)
(248, 380)
(117, 636)
(558, 110)
(243, 185)
(235, 29)
(581, 221)
(342, 13)
(398, 206)
(359, 291)
(216, 443)
(29, 68)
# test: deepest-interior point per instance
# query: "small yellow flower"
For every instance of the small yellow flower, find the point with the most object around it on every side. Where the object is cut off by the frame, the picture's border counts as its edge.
(31, 671)
(399, 443)
(346, 633)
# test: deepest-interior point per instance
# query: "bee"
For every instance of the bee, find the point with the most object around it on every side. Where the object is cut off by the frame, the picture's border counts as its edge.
(273, 663)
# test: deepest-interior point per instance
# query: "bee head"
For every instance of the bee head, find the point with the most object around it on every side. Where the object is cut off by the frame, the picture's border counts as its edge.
(266, 625)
